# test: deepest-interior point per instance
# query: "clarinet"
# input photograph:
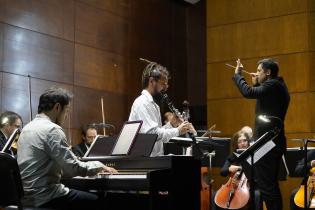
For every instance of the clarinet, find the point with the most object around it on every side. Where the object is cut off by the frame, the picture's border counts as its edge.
(172, 108)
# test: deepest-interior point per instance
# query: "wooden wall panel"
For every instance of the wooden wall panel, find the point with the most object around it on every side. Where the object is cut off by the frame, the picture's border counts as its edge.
(15, 96)
(292, 138)
(38, 55)
(118, 7)
(39, 86)
(77, 44)
(76, 136)
(149, 42)
(312, 30)
(135, 72)
(312, 112)
(196, 89)
(295, 69)
(1, 44)
(178, 70)
(312, 72)
(219, 80)
(252, 30)
(151, 37)
(227, 12)
(87, 107)
(151, 47)
(196, 32)
(231, 114)
(154, 15)
(297, 118)
(280, 35)
(196, 54)
(100, 70)
(53, 17)
(101, 29)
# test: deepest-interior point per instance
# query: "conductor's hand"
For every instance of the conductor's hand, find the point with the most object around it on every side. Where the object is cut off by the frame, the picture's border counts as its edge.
(184, 127)
(109, 170)
(254, 78)
(239, 67)
(234, 168)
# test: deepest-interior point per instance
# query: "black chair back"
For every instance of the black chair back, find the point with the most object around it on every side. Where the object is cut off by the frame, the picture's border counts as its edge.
(11, 188)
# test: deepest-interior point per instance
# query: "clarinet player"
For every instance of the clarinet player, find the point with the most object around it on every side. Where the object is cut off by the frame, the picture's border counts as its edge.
(145, 107)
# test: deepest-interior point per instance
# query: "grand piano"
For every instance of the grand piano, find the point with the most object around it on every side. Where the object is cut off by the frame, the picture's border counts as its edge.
(165, 182)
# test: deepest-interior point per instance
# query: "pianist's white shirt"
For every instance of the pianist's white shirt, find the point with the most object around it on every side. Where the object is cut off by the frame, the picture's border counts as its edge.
(144, 108)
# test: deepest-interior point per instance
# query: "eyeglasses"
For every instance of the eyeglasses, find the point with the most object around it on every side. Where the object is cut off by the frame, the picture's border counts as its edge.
(164, 82)
(17, 126)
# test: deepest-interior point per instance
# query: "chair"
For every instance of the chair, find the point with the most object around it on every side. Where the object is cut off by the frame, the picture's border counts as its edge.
(11, 188)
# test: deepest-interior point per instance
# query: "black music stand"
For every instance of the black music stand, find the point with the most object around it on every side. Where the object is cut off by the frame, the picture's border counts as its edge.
(250, 153)
(8, 144)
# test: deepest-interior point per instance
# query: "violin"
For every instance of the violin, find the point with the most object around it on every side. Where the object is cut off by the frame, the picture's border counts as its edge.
(235, 193)
(299, 196)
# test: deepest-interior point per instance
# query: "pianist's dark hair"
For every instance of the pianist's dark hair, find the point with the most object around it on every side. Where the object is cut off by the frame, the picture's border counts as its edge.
(269, 63)
(155, 71)
(9, 118)
(52, 96)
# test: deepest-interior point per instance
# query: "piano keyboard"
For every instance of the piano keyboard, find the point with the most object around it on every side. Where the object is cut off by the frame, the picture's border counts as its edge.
(122, 176)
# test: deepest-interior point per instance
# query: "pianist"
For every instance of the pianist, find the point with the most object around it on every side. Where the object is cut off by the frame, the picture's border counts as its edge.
(44, 156)
(146, 108)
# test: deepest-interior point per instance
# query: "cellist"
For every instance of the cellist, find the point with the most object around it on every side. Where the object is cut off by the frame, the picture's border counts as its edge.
(240, 140)
(300, 170)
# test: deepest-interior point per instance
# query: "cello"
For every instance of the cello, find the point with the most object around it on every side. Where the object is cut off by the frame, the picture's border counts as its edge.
(235, 193)
(299, 196)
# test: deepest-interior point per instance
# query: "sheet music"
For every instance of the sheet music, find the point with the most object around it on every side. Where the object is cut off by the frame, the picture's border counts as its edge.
(262, 151)
(182, 139)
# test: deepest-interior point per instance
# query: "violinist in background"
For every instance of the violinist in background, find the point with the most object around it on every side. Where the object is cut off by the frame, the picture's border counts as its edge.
(240, 140)
(300, 170)
(88, 134)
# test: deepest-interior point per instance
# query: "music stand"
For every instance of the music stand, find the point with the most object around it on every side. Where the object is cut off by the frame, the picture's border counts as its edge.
(9, 142)
(250, 153)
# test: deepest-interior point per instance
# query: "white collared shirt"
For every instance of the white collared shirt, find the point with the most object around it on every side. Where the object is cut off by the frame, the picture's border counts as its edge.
(43, 157)
(144, 108)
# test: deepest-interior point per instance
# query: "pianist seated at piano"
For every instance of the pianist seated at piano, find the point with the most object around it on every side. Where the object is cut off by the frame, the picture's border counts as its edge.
(88, 134)
(145, 107)
(44, 157)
